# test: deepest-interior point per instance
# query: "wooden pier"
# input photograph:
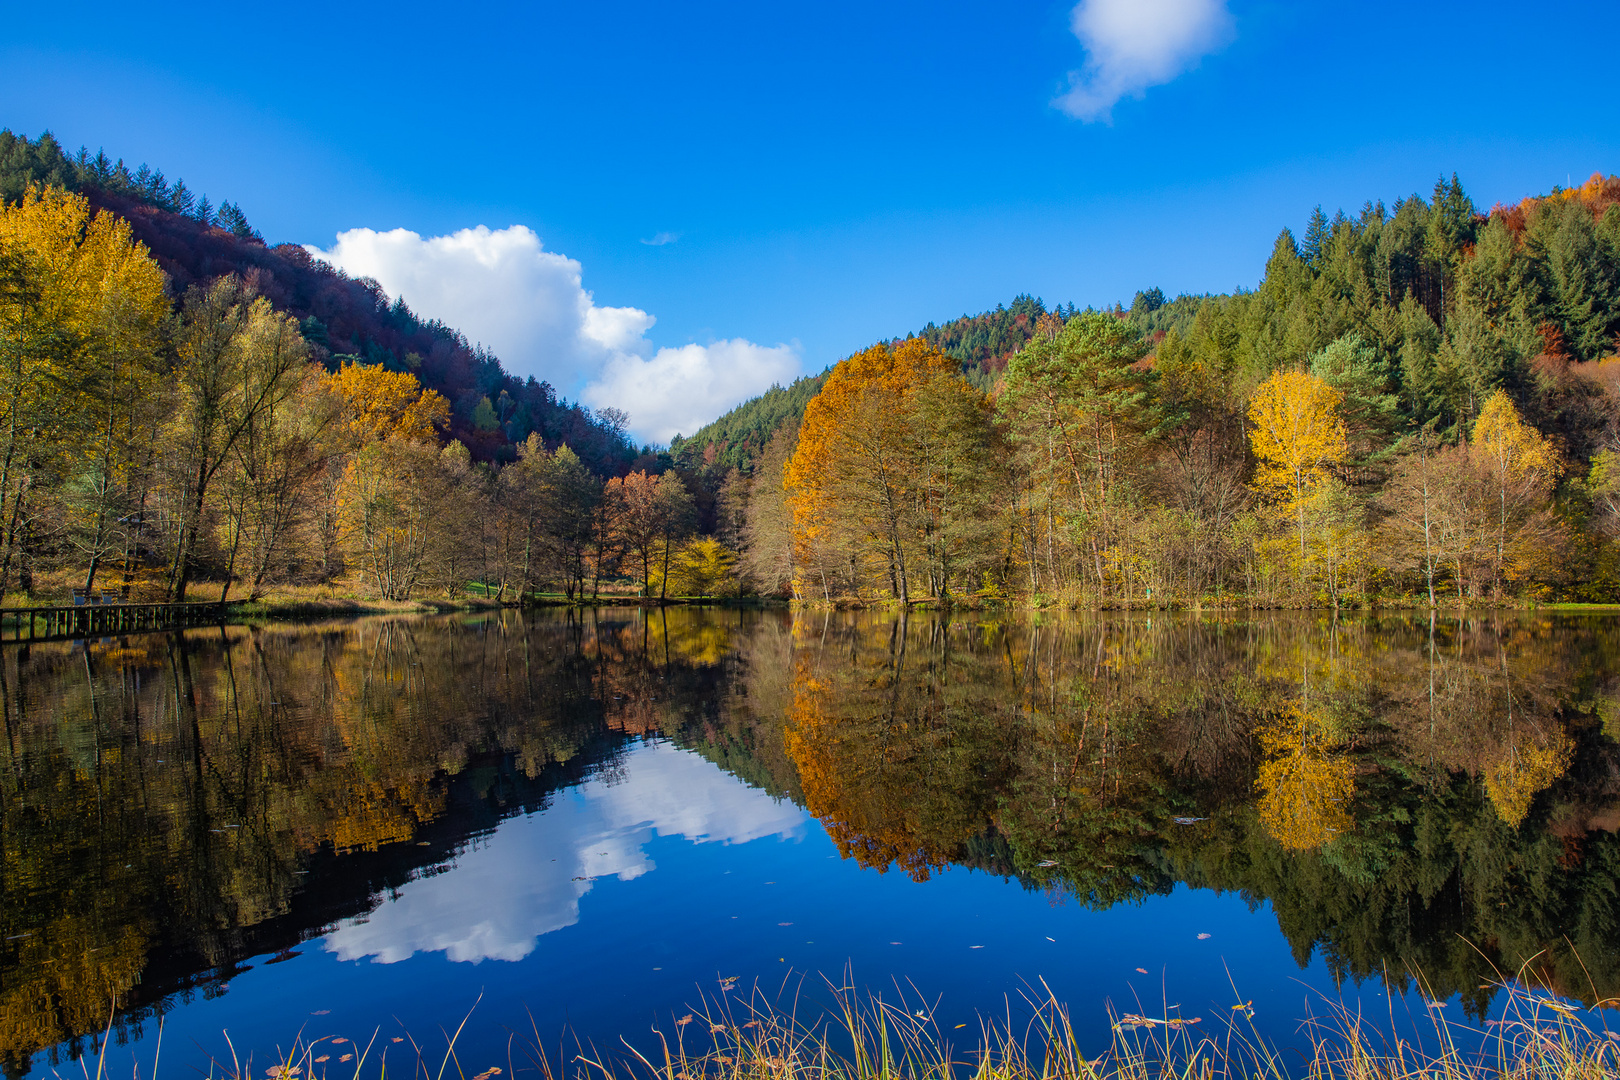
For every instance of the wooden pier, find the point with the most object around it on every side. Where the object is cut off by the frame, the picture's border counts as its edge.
(92, 620)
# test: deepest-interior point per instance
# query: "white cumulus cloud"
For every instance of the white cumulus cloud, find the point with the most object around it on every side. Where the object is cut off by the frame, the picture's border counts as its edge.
(529, 306)
(1134, 44)
(677, 391)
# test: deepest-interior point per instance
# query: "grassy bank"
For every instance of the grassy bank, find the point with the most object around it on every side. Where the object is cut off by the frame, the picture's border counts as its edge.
(738, 1037)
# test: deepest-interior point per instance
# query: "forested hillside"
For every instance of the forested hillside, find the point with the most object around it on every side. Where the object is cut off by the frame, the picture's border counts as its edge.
(344, 320)
(1418, 403)
(982, 343)
(736, 439)
(1418, 400)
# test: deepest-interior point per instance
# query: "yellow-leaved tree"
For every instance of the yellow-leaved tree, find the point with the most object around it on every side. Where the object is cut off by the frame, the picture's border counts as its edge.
(1298, 438)
(1522, 466)
(82, 312)
(398, 508)
(382, 404)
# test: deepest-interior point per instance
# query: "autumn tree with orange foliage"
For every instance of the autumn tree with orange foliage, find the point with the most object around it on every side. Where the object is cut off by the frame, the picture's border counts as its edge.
(888, 485)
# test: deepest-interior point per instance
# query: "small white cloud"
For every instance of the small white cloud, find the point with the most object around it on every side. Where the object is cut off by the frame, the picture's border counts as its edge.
(660, 239)
(679, 390)
(1134, 44)
(529, 306)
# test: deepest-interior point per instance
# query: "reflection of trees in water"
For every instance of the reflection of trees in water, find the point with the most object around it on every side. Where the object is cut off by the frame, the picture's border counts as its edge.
(1306, 783)
(170, 804)
(1424, 798)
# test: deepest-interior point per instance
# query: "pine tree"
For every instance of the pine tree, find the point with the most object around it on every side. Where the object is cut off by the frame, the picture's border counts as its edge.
(181, 200)
(1316, 235)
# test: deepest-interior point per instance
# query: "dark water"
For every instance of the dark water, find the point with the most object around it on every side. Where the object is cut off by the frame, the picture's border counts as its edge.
(592, 821)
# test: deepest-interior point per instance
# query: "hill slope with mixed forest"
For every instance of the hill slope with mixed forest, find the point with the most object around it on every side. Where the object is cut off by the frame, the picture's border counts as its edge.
(347, 319)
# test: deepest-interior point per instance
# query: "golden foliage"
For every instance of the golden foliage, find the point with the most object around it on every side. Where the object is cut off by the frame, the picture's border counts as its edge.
(703, 567)
(1305, 787)
(875, 445)
(1298, 434)
(1517, 450)
(1530, 767)
(382, 404)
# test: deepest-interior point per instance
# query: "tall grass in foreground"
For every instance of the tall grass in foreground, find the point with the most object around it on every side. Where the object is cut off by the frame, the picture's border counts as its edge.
(732, 1037)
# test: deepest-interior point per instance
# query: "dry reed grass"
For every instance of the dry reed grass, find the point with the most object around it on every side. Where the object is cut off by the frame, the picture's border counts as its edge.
(731, 1036)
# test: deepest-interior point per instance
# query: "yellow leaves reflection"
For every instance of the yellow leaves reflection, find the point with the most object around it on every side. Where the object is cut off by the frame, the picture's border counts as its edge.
(1531, 766)
(66, 976)
(1305, 784)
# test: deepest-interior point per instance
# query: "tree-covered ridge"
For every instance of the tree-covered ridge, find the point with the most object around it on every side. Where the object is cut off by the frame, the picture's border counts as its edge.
(43, 161)
(737, 438)
(982, 343)
(1418, 399)
(345, 319)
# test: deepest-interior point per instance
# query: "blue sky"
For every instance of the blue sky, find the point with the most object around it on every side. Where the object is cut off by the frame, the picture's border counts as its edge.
(825, 175)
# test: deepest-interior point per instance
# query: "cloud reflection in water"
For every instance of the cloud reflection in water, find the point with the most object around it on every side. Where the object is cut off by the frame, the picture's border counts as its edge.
(526, 878)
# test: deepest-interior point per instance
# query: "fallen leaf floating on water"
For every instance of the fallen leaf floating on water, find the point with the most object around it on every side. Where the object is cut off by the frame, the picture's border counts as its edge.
(346, 1057)
(1052, 939)
(1435, 1004)
(321, 1012)
(340, 1040)
(1131, 1020)
(493, 1070)
(1142, 970)
(1046, 864)
(715, 1029)
(1188, 820)
(975, 946)
(282, 1070)
(397, 1038)
(687, 1019)
(323, 1057)
(1203, 937)
(959, 1027)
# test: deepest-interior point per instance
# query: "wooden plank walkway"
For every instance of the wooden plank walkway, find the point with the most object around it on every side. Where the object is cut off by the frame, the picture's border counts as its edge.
(91, 620)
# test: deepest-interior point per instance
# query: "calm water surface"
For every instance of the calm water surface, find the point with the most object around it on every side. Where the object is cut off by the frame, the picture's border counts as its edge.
(592, 821)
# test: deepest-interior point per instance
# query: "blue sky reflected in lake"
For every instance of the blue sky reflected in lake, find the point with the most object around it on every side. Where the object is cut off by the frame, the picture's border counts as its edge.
(586, 826)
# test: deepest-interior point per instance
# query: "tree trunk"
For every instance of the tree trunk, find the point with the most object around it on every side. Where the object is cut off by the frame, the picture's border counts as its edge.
(663, 586)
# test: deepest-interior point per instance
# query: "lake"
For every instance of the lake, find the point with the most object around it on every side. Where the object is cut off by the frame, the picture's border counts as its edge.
(586, 823)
